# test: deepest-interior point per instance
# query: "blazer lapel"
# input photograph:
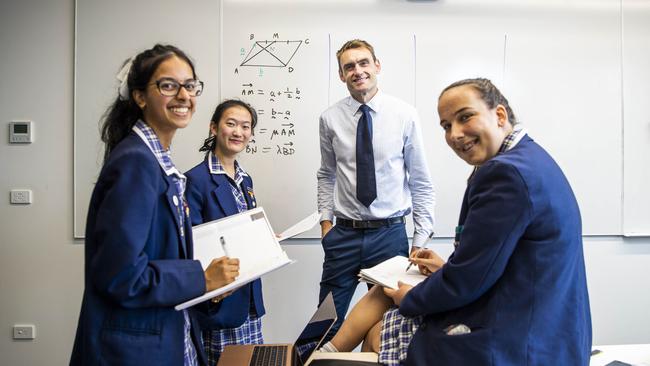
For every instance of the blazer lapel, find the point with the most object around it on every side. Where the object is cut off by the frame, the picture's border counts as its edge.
(248, 194)
(176, 205)
(223, 195)
(189, 250)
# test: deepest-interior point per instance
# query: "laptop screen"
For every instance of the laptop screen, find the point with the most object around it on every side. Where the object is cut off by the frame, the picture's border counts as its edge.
(316, 330)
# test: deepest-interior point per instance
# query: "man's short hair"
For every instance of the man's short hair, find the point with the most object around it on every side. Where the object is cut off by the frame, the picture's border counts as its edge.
(355, 43)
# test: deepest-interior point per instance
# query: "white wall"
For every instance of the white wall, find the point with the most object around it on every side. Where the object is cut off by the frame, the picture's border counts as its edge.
(41, 266)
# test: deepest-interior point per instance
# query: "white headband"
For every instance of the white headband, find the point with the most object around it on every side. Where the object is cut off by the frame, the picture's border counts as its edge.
(123, 77)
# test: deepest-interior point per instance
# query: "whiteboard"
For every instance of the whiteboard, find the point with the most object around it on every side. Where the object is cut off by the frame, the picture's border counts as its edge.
(558, 63)
(494, 41)
(289, 74)
(281, 70)
(109, 32)
(636, 90)
(564, 84)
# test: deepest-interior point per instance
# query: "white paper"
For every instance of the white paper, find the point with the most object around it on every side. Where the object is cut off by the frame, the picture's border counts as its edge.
(302, 226)
(349, 356)
(389, 272)
(247, 236)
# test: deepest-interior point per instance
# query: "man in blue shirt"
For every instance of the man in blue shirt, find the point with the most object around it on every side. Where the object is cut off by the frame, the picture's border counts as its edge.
(373, 173)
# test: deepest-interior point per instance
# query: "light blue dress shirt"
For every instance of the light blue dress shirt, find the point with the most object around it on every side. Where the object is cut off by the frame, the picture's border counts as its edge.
(403, 180)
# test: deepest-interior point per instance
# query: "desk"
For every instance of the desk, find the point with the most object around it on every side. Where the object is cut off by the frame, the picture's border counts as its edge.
(634, 354)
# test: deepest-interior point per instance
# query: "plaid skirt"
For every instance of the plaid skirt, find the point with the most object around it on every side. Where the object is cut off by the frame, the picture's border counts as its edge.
(214, 341)
(396, 333)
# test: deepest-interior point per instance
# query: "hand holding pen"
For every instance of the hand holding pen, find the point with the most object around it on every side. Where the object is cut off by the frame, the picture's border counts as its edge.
(427, 260)
(417, 252)
(221, 271)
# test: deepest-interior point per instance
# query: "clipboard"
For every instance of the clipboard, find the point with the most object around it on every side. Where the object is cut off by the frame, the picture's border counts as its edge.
(247, 236)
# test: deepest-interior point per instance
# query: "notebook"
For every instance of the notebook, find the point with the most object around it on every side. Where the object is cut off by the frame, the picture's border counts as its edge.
(247, 236)
(388, 272)
(296, 354)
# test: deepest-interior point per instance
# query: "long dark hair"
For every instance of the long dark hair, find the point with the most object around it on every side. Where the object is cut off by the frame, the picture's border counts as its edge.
(211, 142)
(489, 94)
(120, 117)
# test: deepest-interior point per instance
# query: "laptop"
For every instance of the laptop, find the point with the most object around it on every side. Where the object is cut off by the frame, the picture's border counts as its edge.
(296, 354)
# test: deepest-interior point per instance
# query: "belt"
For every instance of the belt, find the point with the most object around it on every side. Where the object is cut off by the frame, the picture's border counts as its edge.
(369, 224)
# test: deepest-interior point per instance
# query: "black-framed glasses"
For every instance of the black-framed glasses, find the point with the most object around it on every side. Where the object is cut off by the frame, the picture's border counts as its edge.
(170, 87)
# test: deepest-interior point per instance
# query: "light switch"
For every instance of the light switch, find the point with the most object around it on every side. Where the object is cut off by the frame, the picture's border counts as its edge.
(20, 196)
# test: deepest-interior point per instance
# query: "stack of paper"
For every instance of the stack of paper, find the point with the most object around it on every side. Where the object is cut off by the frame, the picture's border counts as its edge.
(389, 272)
(354, 358)
(247, 236)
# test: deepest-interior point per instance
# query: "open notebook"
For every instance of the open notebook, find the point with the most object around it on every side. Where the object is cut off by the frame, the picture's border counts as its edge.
(388, 272)
(247, 236)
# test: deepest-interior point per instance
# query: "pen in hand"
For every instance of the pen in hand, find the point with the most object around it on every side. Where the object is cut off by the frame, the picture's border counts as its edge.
(223, 246)
(417, 252)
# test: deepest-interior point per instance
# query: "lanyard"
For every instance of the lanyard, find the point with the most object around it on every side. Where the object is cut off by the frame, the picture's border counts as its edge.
(459, 230)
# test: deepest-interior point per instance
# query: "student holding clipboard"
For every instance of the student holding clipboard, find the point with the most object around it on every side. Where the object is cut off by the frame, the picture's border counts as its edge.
(514, 290)
(138, 236)
(219, 187)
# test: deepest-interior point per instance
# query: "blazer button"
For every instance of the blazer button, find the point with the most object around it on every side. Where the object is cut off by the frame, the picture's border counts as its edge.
(175, 199)
(423, 326)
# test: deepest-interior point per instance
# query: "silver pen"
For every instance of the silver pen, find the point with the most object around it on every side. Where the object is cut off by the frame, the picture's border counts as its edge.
(223, 246)
(424, 246)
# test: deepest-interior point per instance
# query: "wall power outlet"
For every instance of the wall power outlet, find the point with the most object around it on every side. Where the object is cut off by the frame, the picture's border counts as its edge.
(24, 331)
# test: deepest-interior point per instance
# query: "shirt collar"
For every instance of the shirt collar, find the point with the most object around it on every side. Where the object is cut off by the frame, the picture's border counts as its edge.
(163, 156)
(513, 138)
(508, 143)
(374, 103)
(215, 167)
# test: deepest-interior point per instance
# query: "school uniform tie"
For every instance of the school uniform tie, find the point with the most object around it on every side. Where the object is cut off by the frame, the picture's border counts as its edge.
(366, 183)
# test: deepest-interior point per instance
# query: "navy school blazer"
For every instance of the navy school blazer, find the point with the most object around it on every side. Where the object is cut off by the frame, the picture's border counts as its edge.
(137, 266)
(517, 277)
(210, 198)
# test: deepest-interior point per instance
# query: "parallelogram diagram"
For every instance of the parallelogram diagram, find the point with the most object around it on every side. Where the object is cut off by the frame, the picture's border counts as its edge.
(271, 53)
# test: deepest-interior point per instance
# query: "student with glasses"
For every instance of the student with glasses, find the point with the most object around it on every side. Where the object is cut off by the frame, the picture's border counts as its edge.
(218, 187)
(138, 234)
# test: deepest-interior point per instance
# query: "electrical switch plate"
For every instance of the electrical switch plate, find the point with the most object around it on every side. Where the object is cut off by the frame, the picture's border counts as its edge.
(24, 331)
(20, 196)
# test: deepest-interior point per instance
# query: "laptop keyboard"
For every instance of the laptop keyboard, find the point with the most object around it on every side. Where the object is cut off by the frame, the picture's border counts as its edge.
(269, 356)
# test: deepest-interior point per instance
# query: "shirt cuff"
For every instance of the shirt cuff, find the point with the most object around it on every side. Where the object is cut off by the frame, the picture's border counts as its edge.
(419, 240)
(327, 215)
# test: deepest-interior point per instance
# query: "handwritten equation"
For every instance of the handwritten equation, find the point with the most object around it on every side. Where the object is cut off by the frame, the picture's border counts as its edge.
(273, 95)
(265, 72)
(276, 129)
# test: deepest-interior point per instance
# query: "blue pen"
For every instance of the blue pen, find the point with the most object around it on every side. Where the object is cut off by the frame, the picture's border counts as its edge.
(424, 246)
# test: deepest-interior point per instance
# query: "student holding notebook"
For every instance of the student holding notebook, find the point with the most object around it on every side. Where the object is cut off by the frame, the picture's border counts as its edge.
(219, 187)
(138, 237)
(514, 290)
